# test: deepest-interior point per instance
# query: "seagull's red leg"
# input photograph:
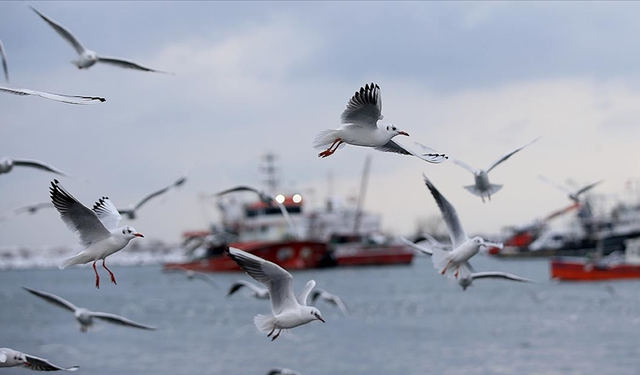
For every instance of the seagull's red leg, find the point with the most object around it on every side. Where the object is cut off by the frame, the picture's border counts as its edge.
(113, 278)
(328, 151)
(97, 276)
(445, 268)
(457, 271)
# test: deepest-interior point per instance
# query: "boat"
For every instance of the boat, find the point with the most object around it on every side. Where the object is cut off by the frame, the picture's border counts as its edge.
(594, 268)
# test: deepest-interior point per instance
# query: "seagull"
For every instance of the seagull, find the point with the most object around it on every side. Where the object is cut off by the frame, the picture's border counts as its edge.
(97, 228)
(13, 358)
(289, 311)
(84, 316)
(130, 211)
(360, 127)
(482, 187)
(7, 164)
(4, 62)
(33, 208)
(256, 291)
(463, 247)
(87, 58)
(465, 282)
(329, 298)
(191, 274)
(573, 195)
(282, 371)
(266, 199)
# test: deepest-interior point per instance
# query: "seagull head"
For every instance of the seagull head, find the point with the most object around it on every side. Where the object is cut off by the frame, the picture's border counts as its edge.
(315, 313)
(465, 282)
(130, 232)
(395, 131)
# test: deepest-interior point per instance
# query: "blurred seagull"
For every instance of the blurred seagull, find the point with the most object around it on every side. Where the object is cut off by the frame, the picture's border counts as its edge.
(130, 211)
(329, 298)
(256, 291)
(87, 57)
(573, 195)
(282, 371)
(191, 275)
(7, 164)
(13, 358)
(84, 316)
(360, 127)
(289, 311)
(482, 187)
(33, 208)
(69, 99)
(4, 62)
(463, 247)
(465, 282)
(266, 199)
(97, 228)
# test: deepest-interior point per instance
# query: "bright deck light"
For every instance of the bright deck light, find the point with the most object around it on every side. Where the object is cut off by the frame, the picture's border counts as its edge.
(297, 198)
(280, 198)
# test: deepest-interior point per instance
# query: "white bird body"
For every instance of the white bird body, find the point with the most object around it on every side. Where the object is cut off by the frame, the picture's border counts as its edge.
(289, 311)
(97, 228)
(14, 358)
(85, 316)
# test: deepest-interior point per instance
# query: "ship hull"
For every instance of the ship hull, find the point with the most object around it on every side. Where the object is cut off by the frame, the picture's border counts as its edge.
(585, 270)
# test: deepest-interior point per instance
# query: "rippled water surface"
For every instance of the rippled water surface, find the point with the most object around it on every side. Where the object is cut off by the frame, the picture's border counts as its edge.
(404, 320)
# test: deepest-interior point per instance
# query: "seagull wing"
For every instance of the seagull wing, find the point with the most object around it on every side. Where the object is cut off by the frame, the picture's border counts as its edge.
(339, 303)
(151, 196)
(275, 278)
(587, 188)
(40, 364)
(4, 62)
(107, 213)
(241, 283)
(500, 275)
(364, 108)
(52, 298)
(237, 188)
(463, 165)
(508, 155)
(119, 320)
(206, 278)
(556, 185)
(63, 32)
(304, 293)
(32, 207)
(456, 232)
(419, 248)
(77, 216)
(127, 64)
(69, 99)
(431, 156)
(39, 165)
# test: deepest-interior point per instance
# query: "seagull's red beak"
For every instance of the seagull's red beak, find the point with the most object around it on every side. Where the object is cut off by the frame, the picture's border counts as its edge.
(403, 133)
(139, 235)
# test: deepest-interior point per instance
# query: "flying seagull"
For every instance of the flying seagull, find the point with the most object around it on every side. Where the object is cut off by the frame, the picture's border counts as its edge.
(329, 298)
(482, 187)
(4, 62)
(84, 316)
(130, 211)
(266, 199)
(455, 263)
(13, 358)
(573, 195)
(256, 291)
(97, 228)
(465, 282)
(289, 310)
(282, 371)
(191, 275)
(7, 164)
(87, 58)
(33, 208)
(360, 128)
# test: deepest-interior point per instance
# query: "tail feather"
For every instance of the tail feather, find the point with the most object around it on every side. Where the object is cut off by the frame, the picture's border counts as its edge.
(440, 259)
(493, 188)
(81, 258)
(324, 139)
(264, 323)
(464, 271)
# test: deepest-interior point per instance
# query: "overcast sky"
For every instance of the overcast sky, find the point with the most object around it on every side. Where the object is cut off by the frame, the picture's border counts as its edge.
(472, 79)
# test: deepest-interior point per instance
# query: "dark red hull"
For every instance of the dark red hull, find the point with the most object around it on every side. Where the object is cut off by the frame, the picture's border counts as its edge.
(581, 270)
(290, 255)
(373, 255)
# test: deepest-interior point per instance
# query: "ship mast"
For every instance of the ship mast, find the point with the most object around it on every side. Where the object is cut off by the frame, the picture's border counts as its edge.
(269, 167)
(362, 194)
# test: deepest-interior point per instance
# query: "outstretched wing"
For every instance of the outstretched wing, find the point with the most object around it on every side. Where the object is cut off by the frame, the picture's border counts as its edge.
(69, 99)
(365, 107)
(52, 298)
(77, 216)
(107, 213)
(4, 62)
(508, 155)
(38, 165)
(275, 278)
(127, 64)
(500, 275)
(63, 32)
(304, 293)
(40, 364)
(587, 188)
(119, 320)
(417, 247)
(449, 214)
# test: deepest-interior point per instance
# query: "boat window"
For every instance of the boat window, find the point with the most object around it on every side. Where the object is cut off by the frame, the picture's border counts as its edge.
(284, 253)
